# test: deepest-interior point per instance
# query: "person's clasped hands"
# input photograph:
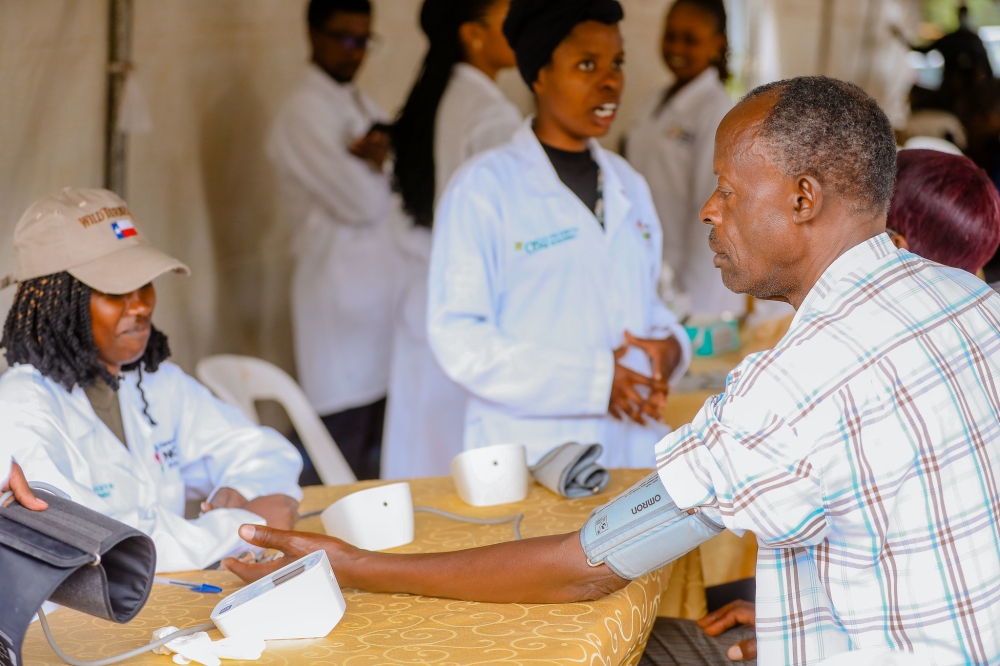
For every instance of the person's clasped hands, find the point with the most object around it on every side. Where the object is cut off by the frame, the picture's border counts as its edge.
(280, 511)
(727, 617)
(626, 398)
(374, 147)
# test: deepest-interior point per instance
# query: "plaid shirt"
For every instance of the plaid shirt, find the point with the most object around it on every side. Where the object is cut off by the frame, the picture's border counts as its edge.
(864, 453)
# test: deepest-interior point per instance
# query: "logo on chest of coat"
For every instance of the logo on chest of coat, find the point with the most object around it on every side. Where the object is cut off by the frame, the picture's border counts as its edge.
(545, 242)
(645, 231)
(167, 455)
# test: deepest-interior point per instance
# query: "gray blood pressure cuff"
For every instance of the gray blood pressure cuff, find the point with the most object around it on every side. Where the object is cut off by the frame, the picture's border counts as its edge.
(572, 470)
(72, 556)
(642, 530)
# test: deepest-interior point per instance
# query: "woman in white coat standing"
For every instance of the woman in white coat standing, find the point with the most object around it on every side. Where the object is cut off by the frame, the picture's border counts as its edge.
(543, 301)
(671, 143)
(454, 112)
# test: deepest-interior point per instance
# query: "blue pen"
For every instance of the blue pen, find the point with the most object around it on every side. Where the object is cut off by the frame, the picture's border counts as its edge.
(194, 587)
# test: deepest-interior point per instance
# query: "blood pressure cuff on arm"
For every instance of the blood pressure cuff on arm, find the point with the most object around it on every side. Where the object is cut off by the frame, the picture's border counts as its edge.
(642, 530)
(72, 556)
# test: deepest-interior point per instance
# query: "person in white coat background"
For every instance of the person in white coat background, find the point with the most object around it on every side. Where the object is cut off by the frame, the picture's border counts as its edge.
(91, 405)
(543, 281)
(671, 143)
(454, 111)
(329, 147)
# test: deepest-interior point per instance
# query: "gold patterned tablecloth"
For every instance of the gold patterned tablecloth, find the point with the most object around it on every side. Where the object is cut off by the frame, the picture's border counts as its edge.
(405, 629)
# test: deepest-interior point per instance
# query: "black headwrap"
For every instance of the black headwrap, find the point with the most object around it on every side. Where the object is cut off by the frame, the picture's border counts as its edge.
(534, 28)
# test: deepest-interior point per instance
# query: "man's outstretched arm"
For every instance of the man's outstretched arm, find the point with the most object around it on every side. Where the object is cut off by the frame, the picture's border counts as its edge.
(549, 569)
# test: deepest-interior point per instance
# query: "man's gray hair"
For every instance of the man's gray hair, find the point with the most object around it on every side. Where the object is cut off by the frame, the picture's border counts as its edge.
(834, 131)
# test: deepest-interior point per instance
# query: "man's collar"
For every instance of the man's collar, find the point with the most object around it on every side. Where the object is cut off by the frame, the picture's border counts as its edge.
(860, 259)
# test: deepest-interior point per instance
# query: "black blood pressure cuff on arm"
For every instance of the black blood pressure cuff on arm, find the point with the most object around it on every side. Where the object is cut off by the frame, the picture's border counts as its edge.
(642, 530)
(72, 556)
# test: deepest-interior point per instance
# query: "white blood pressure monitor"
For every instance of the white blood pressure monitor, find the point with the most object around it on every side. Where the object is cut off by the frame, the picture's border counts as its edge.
(301, 600)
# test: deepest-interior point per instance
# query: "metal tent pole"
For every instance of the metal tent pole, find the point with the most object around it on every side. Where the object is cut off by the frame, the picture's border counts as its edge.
(119, 57)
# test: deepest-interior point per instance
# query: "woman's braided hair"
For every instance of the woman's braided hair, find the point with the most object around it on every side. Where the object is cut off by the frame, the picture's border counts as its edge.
(49, 327)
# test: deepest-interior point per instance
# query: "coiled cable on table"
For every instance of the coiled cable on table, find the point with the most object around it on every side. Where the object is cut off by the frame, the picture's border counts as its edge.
(117, 658)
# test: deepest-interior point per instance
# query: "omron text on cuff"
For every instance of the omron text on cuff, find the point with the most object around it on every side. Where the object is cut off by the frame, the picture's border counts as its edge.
(642, 530)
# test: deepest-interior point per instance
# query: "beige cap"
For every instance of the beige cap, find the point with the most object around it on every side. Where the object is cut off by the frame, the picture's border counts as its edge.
(90, 234)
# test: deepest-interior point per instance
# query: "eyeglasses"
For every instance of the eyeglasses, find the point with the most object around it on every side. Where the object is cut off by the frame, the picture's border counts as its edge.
(350, 40)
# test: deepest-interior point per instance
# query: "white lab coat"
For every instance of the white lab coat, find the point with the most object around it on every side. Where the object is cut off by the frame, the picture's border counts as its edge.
(338, 206)
(425, 415)
(199, 444)
(529, 297)
(673, 150)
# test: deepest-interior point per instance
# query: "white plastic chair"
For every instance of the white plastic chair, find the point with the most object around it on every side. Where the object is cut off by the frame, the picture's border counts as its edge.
(240, 380)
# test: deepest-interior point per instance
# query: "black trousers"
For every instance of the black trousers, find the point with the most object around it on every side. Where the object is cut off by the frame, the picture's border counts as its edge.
(682, 643)
(358, 433)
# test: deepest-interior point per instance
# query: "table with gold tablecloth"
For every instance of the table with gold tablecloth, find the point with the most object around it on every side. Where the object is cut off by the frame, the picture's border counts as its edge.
(406, 629)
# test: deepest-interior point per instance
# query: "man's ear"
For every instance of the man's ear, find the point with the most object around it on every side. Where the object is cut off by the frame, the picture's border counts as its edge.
(808, 199)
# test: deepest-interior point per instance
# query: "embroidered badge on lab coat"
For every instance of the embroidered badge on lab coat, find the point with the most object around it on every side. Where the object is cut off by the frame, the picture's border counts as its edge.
(166, 455)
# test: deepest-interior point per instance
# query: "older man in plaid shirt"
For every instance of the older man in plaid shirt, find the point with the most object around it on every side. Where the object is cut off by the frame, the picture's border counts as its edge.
(863, 451)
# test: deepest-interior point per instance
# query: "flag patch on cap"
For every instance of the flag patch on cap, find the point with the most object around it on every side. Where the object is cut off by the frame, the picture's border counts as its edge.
(123, 228)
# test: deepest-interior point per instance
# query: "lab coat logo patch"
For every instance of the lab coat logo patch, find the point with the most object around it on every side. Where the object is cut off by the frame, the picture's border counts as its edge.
(643, 229)
(167, 455)
(545, 242)
(123, 229)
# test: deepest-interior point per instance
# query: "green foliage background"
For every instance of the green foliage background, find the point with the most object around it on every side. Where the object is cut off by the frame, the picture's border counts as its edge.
(944, 13)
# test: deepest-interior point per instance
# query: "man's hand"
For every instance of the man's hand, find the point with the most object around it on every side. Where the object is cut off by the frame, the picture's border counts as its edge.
(373, 148)
(280, 511)
(625, 398)
(22, 491)
(664, 355)
(294, 545)
(727, 617)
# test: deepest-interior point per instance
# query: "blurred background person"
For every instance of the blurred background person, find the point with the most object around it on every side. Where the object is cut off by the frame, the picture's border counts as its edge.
(968, 90)
(543, 296)
(329, 146)
(671, 143)
(454, 111)
(945, 209)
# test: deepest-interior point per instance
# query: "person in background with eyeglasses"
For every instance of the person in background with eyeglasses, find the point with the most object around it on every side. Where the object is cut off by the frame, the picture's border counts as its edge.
(329, 147)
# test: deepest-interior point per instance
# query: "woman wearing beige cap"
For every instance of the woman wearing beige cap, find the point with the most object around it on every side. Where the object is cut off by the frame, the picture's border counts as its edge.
(92, 406)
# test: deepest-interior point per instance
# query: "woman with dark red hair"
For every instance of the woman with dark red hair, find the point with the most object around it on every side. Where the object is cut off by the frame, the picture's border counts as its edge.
(945, 208)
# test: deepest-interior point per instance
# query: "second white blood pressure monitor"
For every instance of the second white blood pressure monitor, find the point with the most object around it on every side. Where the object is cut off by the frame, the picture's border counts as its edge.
(301, 600)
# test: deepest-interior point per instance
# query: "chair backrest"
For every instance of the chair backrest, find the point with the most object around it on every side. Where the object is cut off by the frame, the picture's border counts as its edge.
(241, 380)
